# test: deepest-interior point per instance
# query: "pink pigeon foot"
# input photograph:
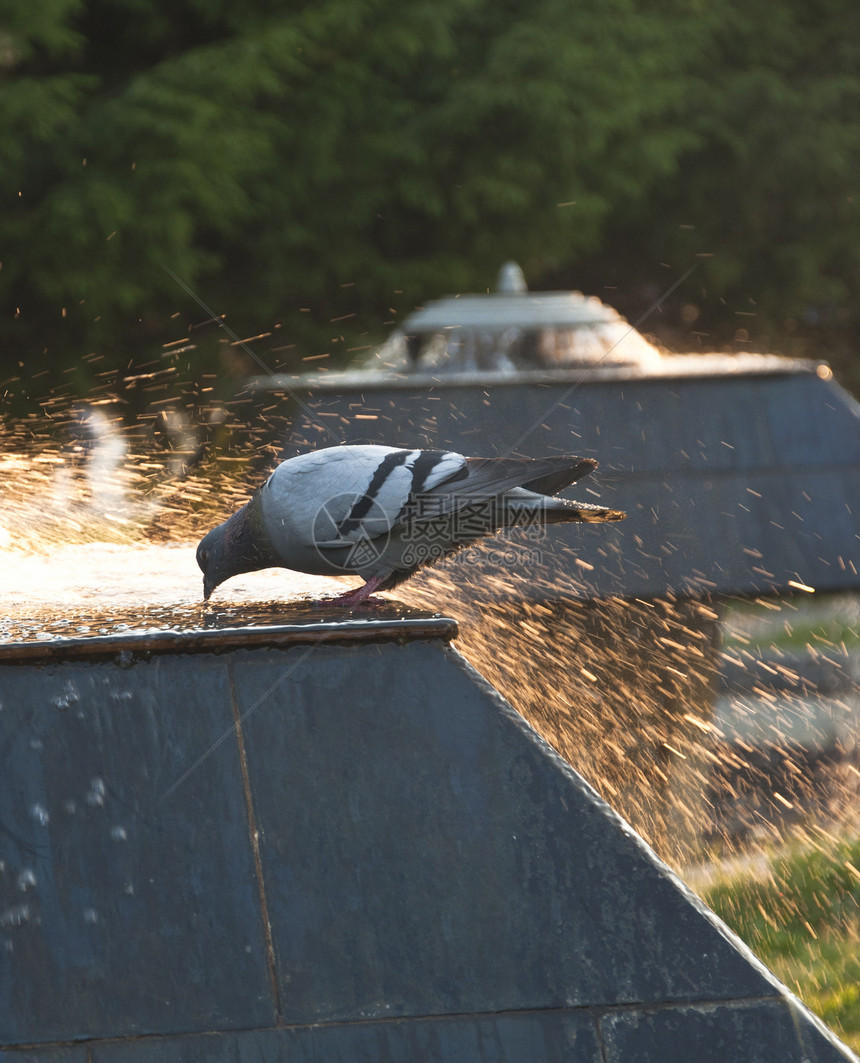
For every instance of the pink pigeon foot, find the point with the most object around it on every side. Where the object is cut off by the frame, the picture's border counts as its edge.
(359, 595)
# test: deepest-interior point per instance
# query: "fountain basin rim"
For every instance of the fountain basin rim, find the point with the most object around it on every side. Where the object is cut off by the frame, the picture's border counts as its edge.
(668, 367)
(135, 645)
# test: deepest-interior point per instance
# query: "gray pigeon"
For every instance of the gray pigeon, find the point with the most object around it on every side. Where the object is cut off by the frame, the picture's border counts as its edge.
(382, 512)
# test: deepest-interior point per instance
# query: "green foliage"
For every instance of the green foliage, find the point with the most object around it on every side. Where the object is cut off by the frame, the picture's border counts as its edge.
(320, 169)
(801, 916)
(769, 189)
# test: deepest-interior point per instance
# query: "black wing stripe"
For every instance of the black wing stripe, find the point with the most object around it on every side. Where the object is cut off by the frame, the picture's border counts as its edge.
(361, 506)
(423, 465)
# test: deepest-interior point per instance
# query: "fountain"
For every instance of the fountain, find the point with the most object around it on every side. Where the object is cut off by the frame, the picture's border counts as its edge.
(263, 828)
(513, 330)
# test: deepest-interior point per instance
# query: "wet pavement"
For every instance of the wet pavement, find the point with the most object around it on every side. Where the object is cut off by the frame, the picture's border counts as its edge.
(88, 597)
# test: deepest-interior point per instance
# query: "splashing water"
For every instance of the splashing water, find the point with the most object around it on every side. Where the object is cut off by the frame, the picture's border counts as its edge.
(100, 520)
(652, 701)
(724, 732)
(642, 697)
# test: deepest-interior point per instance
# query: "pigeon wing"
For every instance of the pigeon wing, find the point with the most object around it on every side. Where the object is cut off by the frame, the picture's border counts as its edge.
(490, 477)
(353, 493)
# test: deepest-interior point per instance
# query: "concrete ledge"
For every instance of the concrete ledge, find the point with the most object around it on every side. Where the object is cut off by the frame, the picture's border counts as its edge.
(142, 645)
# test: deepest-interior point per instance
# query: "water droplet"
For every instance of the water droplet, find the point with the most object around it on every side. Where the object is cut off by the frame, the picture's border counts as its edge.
(26, 880)
(17, 915)
(40, 814)
(70, 806)
(68, 697)
(91, 915)
(118, 834)
(96, 794)
(36, 743)
(128, 889)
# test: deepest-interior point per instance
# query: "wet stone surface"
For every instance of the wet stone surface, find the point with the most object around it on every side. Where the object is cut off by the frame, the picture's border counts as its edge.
(98, 590)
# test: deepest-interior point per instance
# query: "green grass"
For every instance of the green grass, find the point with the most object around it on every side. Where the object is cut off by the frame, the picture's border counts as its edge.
(825, 623)
(802, 918)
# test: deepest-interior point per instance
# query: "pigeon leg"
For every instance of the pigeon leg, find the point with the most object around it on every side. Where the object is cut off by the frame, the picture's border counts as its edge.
(360, 594)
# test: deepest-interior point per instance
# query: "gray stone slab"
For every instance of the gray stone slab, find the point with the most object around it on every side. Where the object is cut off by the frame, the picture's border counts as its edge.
(425, 852)
(764, 1032)
(439, 885)
(121, 909)
(814, 421)
(550, 1037)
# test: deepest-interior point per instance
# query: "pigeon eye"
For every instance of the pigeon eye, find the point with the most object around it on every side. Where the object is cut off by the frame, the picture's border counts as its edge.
(204, 556)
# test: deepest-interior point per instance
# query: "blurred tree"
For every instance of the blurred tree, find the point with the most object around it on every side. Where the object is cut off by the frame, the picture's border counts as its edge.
(767, 191)
(316, 171)
(340, 161)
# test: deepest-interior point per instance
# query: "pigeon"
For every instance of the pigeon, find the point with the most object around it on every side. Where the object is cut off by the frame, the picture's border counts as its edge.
(383, 512)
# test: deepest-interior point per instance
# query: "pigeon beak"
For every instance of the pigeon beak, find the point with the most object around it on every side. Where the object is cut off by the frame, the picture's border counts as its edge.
(208, 587)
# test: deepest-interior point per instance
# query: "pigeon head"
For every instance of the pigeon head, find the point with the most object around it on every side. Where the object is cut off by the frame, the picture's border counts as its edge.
(215, 560)
(238, 545)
